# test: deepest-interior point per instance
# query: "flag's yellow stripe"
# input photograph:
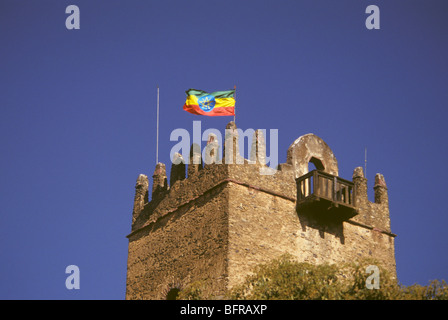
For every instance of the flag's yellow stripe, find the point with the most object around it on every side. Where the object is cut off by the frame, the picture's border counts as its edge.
(219, 103)
(224, 102)
(192, 100)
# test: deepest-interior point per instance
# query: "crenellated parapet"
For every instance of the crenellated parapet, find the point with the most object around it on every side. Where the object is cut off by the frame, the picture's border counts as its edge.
(177, 169)
(141, 195)
(306, 149)
(212, 150)
(195, 160)
(214, 218)
(375, 213)
(160, 181)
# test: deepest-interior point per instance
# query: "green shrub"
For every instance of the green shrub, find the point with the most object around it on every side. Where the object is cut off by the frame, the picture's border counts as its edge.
(194, 291)
(285, 279)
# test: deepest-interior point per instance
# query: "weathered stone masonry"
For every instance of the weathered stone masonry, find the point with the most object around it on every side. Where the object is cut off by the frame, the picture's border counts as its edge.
(221, 220)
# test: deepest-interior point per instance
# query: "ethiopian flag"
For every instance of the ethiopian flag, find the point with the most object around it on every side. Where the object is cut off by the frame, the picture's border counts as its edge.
(219, 103)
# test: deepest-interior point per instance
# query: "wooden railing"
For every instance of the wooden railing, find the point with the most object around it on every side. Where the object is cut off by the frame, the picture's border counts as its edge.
(327, 186)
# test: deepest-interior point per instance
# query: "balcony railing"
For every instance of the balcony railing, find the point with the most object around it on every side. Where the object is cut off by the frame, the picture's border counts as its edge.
(334, 191)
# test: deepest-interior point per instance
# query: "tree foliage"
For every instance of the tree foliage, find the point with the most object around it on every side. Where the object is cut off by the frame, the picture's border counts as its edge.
(286, 279)
(194, 291)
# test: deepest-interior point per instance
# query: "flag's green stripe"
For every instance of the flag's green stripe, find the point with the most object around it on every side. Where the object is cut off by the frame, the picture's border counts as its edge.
(217, 94)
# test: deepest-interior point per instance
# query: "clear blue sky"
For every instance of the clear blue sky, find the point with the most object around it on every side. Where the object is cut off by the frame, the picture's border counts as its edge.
(77, 117)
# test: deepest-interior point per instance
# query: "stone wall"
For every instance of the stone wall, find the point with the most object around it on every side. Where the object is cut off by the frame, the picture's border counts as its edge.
(218, 223)
(185, 239)
(264, 224)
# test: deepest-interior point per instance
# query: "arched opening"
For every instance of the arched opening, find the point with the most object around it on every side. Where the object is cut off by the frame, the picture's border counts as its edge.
(315, 163)
(172, 294)
(311, 148)
(307, 186)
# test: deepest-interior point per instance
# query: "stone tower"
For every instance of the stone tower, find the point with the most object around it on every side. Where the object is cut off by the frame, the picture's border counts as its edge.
(217, 223)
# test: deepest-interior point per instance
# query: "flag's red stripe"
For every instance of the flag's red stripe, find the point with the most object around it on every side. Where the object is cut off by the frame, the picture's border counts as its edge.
(223, 111)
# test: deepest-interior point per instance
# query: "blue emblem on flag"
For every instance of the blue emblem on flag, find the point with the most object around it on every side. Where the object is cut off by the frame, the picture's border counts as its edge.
(207, 103)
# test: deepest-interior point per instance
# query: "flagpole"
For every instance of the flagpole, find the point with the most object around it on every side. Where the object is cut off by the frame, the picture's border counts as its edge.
(157, 136)
(365, 163)
(234, 109)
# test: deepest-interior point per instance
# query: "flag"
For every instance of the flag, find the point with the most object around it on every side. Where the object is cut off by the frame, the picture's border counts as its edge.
(219, 103)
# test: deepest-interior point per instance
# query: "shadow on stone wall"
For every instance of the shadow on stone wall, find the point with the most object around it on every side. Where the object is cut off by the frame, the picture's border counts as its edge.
(324, 226)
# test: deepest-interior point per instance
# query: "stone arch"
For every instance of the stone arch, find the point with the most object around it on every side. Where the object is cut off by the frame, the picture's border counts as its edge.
(171, 290)
(311, 148)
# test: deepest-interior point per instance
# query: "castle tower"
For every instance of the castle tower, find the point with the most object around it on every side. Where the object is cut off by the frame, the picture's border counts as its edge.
(216, 224)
